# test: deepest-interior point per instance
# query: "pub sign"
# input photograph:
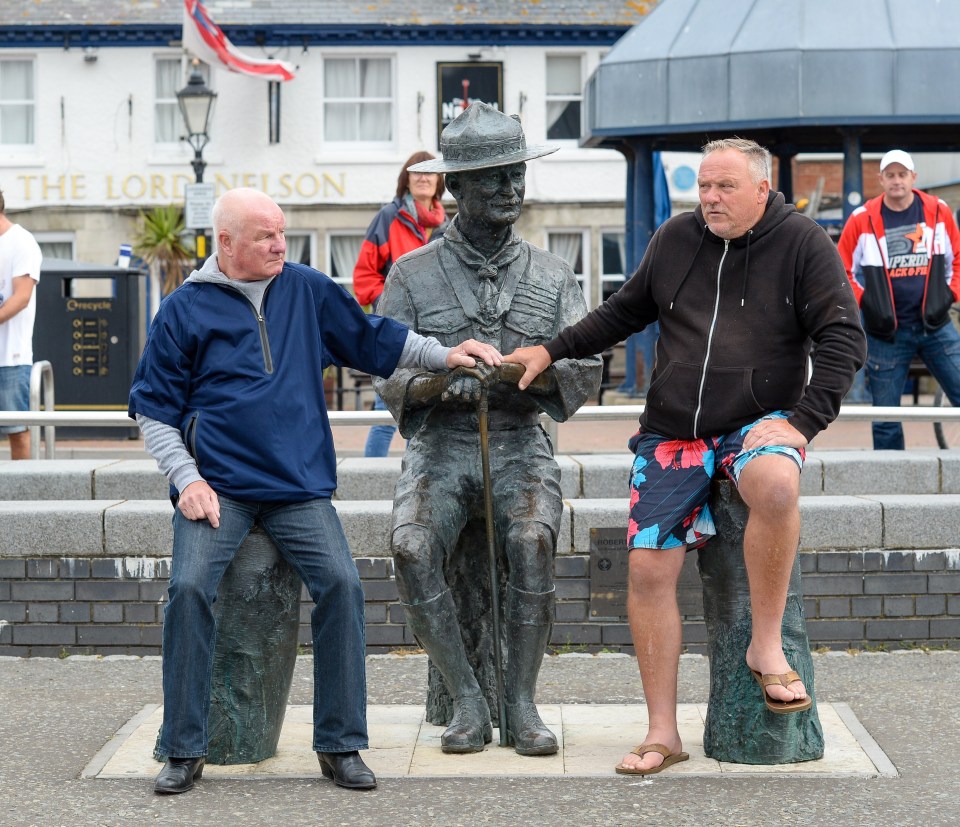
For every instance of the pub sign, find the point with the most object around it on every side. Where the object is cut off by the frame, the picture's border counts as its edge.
(461, 84)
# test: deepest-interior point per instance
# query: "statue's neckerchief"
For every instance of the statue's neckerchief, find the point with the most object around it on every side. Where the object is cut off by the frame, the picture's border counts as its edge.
(473, 263)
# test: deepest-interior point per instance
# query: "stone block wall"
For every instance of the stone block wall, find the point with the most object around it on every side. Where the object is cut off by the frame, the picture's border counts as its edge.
(51, 606)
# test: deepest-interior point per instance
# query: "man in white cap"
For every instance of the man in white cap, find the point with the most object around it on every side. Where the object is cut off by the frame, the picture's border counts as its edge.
(482, 281)
(900, 251)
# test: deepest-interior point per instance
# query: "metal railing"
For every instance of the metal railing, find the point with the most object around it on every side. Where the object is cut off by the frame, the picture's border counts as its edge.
(50, 420)
(41, 390)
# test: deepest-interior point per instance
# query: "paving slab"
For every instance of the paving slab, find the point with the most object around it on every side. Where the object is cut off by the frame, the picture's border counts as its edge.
(49, 479)
(835, 522)
(605, 475)
(918, 521)
(367, 478)
(39, 528)
(60, 713)
(591, 738)
(880, 472)
(130, 479)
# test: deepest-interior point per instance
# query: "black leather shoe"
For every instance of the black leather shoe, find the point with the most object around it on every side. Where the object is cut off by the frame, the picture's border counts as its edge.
(178, 775)
(346, 769)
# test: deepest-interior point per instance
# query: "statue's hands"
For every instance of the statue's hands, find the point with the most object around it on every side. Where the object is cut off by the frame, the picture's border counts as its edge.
(466, 384)
(469, 353)
(532, 360)
(512, 374)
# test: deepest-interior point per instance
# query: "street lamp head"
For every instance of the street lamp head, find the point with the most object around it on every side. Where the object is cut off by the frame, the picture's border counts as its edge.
(196, 103)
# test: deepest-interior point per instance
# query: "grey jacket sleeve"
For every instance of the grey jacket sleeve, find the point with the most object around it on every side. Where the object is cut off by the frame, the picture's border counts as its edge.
(165, 444)
(423, 352)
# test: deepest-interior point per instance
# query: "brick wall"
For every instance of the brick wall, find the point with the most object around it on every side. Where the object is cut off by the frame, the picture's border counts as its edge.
(853, 599)
(807, 173)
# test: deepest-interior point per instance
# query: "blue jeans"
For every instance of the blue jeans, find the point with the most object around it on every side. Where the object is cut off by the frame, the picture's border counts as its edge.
(380, 436)
(14, 393)
(311, 539)
(889, 362)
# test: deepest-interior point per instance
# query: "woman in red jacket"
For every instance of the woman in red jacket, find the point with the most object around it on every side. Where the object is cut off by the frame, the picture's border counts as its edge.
(409, 221)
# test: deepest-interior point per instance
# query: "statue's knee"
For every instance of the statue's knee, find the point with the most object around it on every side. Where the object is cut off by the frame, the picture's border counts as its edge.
(412, 550)
(408, 545)
(530, 547)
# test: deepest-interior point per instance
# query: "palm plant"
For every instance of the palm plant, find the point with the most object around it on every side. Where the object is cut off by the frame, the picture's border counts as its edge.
(159, 242)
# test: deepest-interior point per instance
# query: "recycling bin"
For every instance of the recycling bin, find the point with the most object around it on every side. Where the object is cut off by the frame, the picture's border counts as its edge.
(90, 327)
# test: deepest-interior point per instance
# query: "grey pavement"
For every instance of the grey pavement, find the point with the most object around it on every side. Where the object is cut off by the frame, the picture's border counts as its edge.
(55, 715)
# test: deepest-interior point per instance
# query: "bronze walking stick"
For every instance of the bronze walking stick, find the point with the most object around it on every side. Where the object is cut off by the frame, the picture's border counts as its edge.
(483, 418)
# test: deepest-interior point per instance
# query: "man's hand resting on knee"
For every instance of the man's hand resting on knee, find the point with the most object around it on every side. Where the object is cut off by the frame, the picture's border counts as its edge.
(198, 501)
(772, 432)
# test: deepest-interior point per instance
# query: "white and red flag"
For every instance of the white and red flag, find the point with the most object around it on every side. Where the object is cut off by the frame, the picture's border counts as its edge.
(205, 40)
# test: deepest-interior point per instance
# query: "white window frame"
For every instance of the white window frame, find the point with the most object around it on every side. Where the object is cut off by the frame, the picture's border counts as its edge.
(583, 278)
(360, 145)
(344, 280)
(57, 237)
(562, 98)
(180, 128)
(311, 238)
(31, 102)
(616, 279)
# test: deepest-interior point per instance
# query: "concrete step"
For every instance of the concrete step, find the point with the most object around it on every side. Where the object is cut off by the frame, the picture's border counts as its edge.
(583, 476)
(142, 528)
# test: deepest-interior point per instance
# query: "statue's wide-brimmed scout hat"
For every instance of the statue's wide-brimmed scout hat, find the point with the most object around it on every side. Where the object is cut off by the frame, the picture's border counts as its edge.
(481, 137)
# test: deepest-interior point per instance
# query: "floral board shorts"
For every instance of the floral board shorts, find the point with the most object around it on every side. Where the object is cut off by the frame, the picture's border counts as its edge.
(670, 483)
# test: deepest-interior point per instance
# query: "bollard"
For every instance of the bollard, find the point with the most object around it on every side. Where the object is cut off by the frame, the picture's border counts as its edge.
(739, 728)
(257, 614)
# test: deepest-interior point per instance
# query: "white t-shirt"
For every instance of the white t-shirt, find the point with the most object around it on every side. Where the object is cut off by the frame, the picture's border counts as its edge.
(19, 256)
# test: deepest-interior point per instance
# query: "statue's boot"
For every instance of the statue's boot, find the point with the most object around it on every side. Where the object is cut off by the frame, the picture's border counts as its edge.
(529, 618)
(435, 625)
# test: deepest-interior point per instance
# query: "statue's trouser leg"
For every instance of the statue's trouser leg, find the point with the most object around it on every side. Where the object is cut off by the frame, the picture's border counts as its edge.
(435, 625)
(529, 617)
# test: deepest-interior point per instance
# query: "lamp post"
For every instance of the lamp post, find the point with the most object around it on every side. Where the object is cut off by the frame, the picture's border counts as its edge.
(196, 103)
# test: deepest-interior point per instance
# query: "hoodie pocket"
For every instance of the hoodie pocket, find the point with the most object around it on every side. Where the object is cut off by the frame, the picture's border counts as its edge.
(728, 401)
(676, 407)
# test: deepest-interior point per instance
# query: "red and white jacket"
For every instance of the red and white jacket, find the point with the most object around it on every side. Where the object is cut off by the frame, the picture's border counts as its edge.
(392, 233)
(863, 248)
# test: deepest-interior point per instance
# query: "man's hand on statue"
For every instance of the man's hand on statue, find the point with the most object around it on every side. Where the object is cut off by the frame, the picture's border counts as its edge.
(773, 432)
(466, 384)
(511, 373)
(535, 361)
(198, 501)
(467, 353)
(545, 382)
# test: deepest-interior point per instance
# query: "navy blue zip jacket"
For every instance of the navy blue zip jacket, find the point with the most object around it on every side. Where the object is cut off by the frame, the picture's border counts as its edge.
(246, 390)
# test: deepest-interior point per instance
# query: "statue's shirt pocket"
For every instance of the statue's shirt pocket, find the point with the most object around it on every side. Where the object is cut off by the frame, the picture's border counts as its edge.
(448, 325)
(531, 318)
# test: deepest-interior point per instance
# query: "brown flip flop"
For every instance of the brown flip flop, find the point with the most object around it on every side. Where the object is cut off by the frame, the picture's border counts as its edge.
(781, 707)
(669, 759)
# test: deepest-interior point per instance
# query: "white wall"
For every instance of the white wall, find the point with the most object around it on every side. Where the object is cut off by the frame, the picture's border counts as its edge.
(95, 131)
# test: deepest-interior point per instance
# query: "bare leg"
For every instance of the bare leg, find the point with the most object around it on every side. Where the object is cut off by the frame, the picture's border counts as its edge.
(657, 635)
(770, 486)
(20, 445)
